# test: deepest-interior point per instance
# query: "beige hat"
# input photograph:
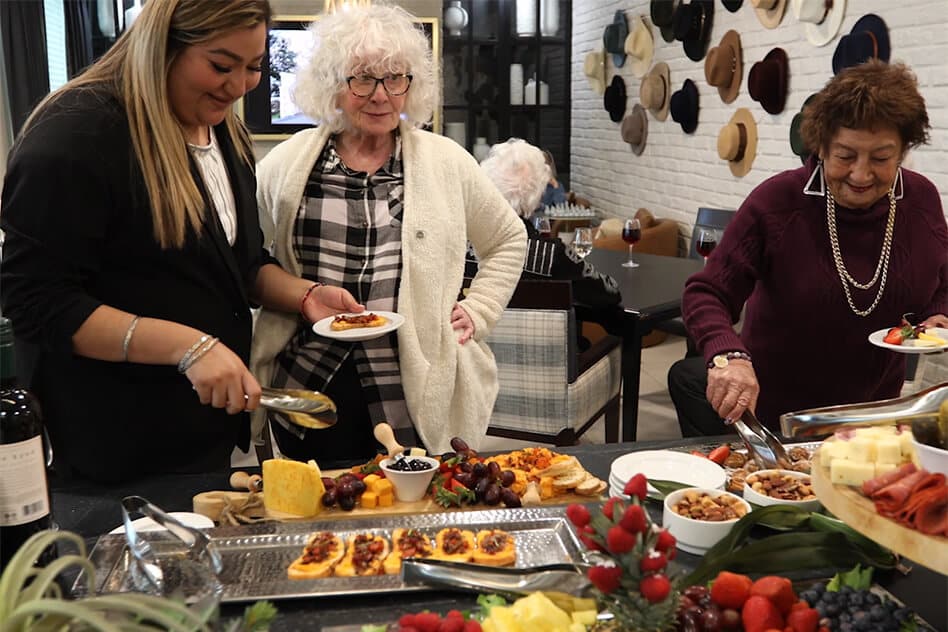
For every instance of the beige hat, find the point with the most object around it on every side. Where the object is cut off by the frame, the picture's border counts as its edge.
(769, 12)
(655, 91)
(722, 66)
(820, 21)
(634, 129)
(639, 46)
(737, 142)
(595, 68)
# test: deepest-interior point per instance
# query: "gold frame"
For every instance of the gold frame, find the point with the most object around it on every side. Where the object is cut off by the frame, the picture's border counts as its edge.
(435, 53)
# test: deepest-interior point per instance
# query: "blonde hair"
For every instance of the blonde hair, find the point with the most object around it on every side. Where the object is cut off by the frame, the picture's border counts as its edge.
(136, 70)
(520, 172)
(376, 40)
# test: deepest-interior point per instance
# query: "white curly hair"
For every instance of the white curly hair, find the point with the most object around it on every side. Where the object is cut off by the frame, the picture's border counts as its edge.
(376, 40)
(520, 173)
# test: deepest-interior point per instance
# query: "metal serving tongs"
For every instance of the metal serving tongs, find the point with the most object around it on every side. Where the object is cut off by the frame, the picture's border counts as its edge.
(507, 582)
(307, 409)
(761, 443)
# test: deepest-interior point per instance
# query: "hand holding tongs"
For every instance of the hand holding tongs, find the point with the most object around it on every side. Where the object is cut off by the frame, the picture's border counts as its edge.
(761, 443)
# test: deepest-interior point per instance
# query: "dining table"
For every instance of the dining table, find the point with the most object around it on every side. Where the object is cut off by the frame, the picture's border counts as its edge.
(651, 294)
(92, 509)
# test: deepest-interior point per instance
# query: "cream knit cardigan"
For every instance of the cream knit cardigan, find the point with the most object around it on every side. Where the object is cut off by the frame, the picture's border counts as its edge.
(449, 388)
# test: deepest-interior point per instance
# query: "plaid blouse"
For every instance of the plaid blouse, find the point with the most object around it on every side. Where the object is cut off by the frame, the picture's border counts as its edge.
(348, 233)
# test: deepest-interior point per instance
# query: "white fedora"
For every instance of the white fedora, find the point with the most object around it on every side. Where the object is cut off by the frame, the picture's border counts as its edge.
(639, 46)
(821, 22)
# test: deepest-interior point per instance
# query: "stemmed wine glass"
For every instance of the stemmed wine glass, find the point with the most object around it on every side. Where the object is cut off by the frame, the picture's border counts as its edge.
(542, 224)
(706, 242)
(583, 241)
(631, 234)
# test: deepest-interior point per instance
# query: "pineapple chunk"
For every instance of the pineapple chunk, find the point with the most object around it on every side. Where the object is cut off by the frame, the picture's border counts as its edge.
(537, 612)
(504, 619)
(585, 617)
(854, 473)
(293, 487)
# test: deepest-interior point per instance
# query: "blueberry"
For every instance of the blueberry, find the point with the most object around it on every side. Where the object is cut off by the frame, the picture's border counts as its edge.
(830, 597)
(857, 599)
(902, 614)
(845, 627)
(845, 617)
(845, 590)
(821, 609)
(877, 613)
(872, 598)
(832, 609)
(811, 596)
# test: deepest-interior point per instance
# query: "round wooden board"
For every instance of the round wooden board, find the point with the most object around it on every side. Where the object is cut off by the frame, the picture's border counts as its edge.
(850, 506)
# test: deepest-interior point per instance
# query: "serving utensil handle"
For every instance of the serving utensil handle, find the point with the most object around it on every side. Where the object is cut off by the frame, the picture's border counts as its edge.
(386, 436)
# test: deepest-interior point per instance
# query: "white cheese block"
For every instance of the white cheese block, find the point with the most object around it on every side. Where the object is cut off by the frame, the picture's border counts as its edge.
(906, 445)
(861, 449)
(848, 472)
(882, 468)
(888, 450)
(418, 452)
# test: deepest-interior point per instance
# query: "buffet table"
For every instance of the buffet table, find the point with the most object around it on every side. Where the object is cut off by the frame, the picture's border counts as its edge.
(92, 510)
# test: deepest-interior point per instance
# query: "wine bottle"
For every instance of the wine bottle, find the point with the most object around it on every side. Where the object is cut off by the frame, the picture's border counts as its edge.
(24, 491)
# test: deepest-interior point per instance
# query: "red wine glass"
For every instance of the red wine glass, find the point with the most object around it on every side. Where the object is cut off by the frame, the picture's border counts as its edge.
(706, 242)
(631, 234)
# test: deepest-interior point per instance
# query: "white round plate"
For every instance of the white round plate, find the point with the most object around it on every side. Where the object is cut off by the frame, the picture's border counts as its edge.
(395, 321)
(667, 465)
(195, 520)
(876, 338)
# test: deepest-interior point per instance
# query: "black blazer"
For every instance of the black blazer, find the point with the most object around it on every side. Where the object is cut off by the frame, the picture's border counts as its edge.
(78, 235)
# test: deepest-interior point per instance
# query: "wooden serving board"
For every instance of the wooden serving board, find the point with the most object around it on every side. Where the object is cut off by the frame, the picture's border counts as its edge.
(849, 505)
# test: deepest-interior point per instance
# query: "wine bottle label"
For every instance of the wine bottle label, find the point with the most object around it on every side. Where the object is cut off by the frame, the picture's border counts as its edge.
(23, 495)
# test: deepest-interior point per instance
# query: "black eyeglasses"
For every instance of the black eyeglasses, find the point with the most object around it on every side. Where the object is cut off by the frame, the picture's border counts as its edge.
(365, 85)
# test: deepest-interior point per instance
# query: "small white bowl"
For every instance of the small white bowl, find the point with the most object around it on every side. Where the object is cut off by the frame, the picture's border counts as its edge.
(697, 536)
(763, 500)
(410, 485)
(930, 458)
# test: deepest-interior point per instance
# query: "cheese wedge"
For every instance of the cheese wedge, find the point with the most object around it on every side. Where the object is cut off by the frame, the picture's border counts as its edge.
(454, 545)
(292, 487)
(495, 548)
(365, 553)
(406, 543)
(321, 553)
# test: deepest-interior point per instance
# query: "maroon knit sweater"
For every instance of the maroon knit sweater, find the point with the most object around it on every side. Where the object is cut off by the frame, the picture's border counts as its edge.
(808, 348)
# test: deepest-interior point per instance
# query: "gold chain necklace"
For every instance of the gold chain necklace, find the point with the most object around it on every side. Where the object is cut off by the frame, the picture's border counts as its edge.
(881, 268)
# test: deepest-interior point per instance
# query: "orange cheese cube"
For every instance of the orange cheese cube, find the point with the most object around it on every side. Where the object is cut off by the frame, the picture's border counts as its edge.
(369, 500)
(370, 480)
(385, 500)
(381, 486)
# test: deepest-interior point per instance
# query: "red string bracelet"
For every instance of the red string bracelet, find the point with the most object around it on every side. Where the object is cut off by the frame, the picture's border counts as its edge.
(306, 294)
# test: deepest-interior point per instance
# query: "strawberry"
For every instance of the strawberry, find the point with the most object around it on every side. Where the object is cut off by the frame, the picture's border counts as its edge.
(427, 621)
(637, 486)
(472, 626)
(605, 578)
(609, 505)
(803, 619)
(633, 520)
(587, 535)
(454, 614)
(894, 336)
(719, 454)
(655, 587)
(758, 614)
(779, 590)
(653, 561)
(665, 542)
(619, 541)
(407, 620)
(730, 590)
(451, 624)
(407, 628)
(578, 515)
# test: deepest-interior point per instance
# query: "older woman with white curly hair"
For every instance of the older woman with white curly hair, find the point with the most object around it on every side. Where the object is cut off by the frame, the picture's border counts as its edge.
(371, 202)
(520, 171)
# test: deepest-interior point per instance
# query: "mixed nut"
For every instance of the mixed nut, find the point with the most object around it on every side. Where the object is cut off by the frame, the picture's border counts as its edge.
(702, 506)
(781, 485)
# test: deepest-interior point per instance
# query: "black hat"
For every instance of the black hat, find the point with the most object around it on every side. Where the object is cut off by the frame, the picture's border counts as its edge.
(868, 39)
(684, 106)
(613, 38)
(796, 141)
(732, 5)
(768, 79)
(614, 99)
(663, 16)
(693, 22)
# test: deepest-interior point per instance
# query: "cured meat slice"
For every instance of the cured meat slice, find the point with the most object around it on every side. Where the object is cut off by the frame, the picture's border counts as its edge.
(891, 498)
(927, 511)
(873, 485)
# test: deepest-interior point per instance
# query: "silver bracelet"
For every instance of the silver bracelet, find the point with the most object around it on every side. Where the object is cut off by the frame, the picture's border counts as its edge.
(183, 362)
(197, 355)
(128, 337)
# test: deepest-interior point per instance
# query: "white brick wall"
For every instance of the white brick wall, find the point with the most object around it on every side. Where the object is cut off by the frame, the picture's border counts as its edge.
(679, 172)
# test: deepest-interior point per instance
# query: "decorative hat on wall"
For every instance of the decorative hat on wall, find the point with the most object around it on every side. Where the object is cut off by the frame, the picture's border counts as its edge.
(693, 22)
(769, 12)
(594, 66)
(655, 90)
(634, 129)
(767, 81)
(869, 38)
(639, 47)
(737, 142)
(614, 99)
(613, 38)
(723, 67)
(821, 19)
(684, 107)
(663, 16)
(732, 5)
(796, 141)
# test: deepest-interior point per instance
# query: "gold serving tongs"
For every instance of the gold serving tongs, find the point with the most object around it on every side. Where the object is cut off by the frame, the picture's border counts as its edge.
(761, 443)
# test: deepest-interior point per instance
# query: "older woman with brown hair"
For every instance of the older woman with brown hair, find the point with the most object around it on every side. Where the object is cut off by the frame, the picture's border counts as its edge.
(821, 256)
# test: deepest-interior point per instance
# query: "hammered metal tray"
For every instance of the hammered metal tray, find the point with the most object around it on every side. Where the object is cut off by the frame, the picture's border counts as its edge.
(255, 557)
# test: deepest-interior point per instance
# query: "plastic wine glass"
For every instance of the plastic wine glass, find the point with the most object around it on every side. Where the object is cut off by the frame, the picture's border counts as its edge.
(631, 234)
(583, 241)
(542, 224)
(706, 242)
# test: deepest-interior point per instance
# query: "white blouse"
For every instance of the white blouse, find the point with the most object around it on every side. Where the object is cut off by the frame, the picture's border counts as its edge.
(212, 168)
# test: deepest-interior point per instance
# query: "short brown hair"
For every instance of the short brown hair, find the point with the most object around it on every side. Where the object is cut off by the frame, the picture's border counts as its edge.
(867, 96)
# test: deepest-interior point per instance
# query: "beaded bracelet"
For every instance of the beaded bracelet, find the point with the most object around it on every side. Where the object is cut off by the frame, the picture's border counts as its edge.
(183, 362)
(732, 355)
(306, 294)
(200, 353)
(128, 337)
